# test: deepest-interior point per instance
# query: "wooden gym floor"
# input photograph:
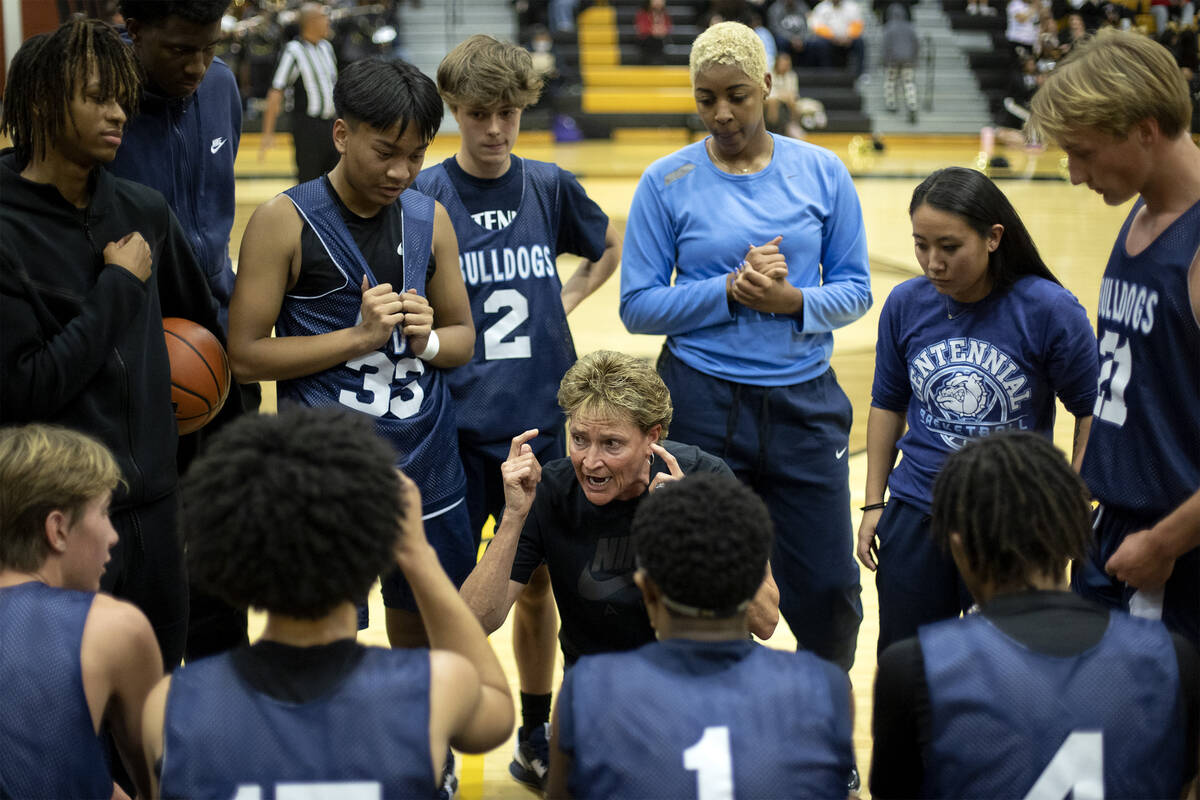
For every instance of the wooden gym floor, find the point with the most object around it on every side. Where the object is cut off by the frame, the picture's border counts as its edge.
(1072, 226)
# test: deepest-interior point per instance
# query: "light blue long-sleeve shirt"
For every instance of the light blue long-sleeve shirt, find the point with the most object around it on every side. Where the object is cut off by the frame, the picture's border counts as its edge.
(693, 220)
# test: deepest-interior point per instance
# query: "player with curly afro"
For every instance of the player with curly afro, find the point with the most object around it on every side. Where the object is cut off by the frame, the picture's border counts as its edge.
(713, 707)
(296, 514)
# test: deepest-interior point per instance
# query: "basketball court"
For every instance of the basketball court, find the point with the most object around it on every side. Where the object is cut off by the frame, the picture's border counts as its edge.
(1072, 227)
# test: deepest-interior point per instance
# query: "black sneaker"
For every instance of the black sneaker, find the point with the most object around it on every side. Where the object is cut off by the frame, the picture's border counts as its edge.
(531, 759)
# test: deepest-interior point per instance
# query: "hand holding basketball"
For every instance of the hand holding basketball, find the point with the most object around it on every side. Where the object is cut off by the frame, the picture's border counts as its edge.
(131, 254)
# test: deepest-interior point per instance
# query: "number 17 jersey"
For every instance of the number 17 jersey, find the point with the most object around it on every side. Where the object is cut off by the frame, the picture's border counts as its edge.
(1143, 452)
(523, 344)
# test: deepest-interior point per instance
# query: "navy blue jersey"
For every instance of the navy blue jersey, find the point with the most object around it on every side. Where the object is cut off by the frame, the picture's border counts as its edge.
(1143, 452)
(370, 731)
(1008, 721)
(48, 747)
(523, 344)
(407, 398)
(961, 371)
(689, 719)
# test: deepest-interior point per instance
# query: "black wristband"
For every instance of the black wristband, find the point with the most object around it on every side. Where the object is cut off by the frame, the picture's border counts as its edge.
(873, 506)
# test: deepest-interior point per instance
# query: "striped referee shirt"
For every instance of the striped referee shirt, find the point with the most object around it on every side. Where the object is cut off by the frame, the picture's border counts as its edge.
(315, 64)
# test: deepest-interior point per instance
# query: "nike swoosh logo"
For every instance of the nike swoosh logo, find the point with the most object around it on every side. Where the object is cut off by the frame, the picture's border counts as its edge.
(597, 590)
(400, 249)
(217, 144)
(840, 453)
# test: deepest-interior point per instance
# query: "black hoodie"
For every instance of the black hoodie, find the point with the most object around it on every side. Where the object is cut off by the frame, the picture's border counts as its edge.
(81, 342)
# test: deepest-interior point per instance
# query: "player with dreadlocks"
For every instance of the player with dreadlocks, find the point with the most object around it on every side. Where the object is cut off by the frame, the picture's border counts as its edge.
(90, 266)
(1043, 691)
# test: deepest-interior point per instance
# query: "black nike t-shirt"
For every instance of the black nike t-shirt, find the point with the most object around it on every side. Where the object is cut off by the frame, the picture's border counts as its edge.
(589, 552)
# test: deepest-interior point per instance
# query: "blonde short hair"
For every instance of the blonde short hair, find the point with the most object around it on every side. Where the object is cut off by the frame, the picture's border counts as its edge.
(44, 468)
(729, 43)
(1109, 83)
(616, 386)
(484, 72)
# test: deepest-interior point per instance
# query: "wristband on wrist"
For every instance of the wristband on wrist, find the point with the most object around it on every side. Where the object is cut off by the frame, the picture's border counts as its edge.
(431, 347)
(873, 506)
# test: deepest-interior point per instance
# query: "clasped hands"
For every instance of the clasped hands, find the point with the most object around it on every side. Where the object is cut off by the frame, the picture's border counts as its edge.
(760, 281)
(383, 309)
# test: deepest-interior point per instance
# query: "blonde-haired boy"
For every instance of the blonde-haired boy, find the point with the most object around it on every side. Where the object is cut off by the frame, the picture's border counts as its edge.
(72, 659)
(1119, 107)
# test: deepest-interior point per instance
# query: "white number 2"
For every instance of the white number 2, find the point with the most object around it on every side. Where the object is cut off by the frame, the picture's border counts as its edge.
(341, 790)
(494, 346)
(712, 760)
(1076, 769)
(377, 372)
(1116, 368)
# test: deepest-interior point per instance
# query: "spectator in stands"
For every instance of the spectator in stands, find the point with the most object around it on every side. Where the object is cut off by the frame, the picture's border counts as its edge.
(545, 64)
(760, 29)
(718, 11)
(562, 14)
(1116, 15)
(1011, 117)
(838, 25)
(1021, 32)
(980, 8)
(900, 51)
(1181, 11)
(530, 13)
(788, 22)
(781, 113)
(653, 25)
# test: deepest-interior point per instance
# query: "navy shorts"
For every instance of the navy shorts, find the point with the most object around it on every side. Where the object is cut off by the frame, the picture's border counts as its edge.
(1180, 597)
(790, 444)
(451, 539)
(918, 583)
(485, 488)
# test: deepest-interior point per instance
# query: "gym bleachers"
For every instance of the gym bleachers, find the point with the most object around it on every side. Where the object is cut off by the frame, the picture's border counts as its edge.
(620, 92)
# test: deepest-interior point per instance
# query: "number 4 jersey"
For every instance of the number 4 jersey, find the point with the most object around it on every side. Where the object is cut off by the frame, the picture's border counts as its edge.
(407, 398)
(1143, 453)
(507, 253)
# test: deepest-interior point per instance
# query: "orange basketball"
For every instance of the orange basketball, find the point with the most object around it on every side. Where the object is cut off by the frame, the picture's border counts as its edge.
(199, 373)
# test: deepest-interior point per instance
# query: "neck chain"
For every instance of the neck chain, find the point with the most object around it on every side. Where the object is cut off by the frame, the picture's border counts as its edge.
(962, 308)
(712, 152)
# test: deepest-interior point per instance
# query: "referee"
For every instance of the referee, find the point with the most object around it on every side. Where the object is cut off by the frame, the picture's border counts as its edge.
(310, 58)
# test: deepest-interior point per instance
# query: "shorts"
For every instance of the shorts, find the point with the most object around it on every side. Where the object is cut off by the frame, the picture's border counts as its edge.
(918, 583)
(1179, 605)
(450, 535)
